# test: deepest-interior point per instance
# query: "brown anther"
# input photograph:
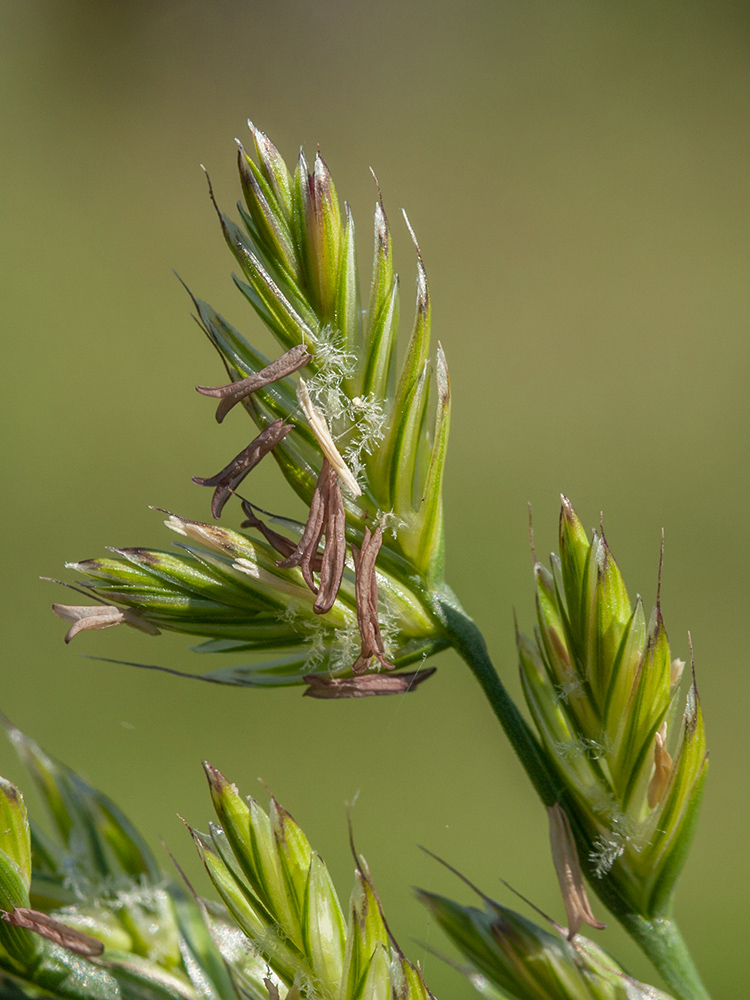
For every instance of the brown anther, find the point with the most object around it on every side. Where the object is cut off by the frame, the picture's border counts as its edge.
(283, 545)
(569, 875)
(366, 595)
(273, 990)
(307, 547)
(53, 930)
(235, 392)
(232, 475)
(365, 687)
(334, 550)
(327, 517)
(96, 616)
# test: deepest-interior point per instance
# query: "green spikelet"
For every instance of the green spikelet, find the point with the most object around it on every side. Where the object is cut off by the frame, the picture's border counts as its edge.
(509, 956)
(603, 689)
(281, 895)
(93, 918)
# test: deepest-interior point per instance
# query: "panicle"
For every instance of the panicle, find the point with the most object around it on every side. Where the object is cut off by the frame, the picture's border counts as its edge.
(361, 441)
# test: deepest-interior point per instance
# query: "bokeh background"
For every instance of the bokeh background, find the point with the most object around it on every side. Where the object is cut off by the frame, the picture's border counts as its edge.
(577, 176)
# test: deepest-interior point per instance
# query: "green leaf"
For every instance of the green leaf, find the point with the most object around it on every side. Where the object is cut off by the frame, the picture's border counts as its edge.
(525, 961)
(283, 671)
(237, 896)
(648, 703)
(553, 720)
(379, 356)
(15, 873)
(552, 630)
(294, 322)
(404, 445)
(406, 980)
(203, 959)
(246, 908)
(61, 975)
(324, 233)
(208, 577)
(625, 671)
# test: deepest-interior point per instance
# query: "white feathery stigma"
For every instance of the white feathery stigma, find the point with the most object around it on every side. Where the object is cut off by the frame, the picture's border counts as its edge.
(321, 431)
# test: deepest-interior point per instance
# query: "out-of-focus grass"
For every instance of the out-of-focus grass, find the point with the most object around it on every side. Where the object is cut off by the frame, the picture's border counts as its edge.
(577, 179)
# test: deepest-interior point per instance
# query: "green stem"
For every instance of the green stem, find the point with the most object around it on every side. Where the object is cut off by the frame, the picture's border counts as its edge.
(665, 946)
(660, 938)
(469, 643)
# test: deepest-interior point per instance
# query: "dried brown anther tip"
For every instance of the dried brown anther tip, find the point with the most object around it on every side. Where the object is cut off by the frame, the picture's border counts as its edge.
(235, 392)
(55, 931)
(232, 475)
(327, 517)
(283, 545)
(367, 686)
(366, 595)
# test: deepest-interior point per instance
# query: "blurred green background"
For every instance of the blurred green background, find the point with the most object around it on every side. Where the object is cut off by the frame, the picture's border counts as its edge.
(577, 176)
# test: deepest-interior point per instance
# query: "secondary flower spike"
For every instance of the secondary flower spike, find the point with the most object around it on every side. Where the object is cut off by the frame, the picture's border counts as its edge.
(603, 689)
(230, 477)
(229, 395)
